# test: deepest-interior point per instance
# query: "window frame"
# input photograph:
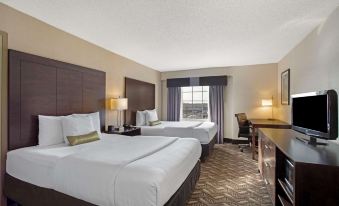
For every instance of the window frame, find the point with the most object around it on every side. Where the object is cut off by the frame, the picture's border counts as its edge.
(192, 102)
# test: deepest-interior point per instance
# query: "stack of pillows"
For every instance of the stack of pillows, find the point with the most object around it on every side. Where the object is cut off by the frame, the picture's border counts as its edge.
(72, 129)
(147, 118)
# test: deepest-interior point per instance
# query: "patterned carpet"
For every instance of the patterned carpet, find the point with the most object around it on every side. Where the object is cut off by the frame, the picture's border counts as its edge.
(229, 177)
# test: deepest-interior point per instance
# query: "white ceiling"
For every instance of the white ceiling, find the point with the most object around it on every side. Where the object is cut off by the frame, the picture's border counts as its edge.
(186, 34)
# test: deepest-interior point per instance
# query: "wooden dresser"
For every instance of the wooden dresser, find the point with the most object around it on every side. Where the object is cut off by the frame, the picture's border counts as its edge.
(297, 173)
(266, 163)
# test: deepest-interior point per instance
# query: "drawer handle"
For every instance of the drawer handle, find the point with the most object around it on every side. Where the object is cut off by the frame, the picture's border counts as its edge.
(267, 164)
(266, 181)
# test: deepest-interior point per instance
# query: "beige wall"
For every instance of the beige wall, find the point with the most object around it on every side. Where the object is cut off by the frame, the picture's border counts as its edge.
(247, 86)
(33, 36)
(314, 63)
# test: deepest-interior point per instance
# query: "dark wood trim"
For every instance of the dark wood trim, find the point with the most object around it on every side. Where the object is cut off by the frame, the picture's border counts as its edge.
(140, 95)
(39, 85)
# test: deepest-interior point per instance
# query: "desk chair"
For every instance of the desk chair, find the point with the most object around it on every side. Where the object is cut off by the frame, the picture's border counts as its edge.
(245, 130)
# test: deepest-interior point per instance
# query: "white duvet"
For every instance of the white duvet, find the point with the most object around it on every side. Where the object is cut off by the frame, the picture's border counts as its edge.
(203, 131)
(120, 170)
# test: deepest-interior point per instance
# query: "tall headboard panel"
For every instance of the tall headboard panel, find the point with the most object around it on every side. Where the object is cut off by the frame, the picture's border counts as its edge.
(141, 96)
(44, 86)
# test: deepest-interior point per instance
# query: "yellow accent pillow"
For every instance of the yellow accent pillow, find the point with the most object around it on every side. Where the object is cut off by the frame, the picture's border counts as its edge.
(153, 123)
(85, 138)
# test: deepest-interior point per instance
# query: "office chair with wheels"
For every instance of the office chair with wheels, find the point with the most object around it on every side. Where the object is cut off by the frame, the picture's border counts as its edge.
(245, 130)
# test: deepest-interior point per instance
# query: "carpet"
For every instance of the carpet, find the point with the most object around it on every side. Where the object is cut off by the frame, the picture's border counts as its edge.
(229, 177)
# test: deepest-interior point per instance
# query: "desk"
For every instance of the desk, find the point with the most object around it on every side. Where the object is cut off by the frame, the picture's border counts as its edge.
(265, 123)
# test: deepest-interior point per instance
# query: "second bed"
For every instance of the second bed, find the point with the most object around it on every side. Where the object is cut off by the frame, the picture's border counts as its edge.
(205, 132)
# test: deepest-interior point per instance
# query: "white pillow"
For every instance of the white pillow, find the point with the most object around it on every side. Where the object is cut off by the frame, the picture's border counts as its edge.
(151, 115)
(140, 118)
(50, 130)
(95, 119)
(73, 126)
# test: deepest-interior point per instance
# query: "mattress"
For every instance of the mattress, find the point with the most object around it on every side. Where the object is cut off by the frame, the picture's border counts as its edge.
(35, 164)
(149, 179)
(202, 131)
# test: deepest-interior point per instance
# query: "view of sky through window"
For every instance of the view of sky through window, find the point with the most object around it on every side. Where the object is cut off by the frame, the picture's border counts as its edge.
(195, 102)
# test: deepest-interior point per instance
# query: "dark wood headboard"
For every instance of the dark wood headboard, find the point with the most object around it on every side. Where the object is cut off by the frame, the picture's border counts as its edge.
(141, 96)
(44, 86)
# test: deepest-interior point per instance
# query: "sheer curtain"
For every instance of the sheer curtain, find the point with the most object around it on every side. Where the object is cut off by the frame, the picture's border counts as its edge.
(173, 103)
(216, 99)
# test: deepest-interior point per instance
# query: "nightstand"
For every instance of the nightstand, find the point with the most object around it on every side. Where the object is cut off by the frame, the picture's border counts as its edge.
(133, 131)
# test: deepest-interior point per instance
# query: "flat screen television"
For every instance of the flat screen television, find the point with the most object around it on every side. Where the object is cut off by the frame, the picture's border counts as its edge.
(316, 114)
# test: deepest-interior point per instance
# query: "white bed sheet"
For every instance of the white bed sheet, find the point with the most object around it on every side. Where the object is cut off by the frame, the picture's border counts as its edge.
(35, 164)
(149, 180)
(203, 131)
(170, 167)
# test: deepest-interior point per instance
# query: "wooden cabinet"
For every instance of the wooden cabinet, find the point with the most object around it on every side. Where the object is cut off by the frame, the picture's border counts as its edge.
(297, 173)
(267, 163)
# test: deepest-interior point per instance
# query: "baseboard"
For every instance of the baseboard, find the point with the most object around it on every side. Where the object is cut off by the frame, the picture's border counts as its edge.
(235, 141)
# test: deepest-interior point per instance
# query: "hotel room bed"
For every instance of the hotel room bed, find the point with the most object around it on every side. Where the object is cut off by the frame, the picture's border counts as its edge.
(103, 173)
(205, 132)
(202, 131)
(115, 169)
(141, 97)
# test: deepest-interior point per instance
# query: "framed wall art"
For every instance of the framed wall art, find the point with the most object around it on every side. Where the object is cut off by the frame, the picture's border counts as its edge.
(285, 87)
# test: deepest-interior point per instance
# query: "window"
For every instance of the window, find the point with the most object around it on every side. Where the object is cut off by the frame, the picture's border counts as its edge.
(194, 103)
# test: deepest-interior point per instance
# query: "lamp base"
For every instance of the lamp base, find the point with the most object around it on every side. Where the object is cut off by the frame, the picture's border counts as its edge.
(121, 129)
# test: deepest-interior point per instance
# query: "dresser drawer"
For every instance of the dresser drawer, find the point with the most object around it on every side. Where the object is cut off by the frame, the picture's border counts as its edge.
(268, 164)
(268, 151)
(268, 177)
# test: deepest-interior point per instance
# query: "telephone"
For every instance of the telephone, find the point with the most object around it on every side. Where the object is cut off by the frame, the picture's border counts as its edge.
(110, 128)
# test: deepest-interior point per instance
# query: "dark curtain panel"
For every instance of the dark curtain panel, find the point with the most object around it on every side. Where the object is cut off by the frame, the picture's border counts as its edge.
(173, 103)
(216, 99)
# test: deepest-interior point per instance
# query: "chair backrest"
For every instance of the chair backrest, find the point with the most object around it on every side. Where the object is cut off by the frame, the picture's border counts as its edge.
(244, 126)
(242, 119)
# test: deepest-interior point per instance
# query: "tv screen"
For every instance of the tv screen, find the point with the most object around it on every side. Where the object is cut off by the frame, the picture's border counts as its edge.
(311, 112)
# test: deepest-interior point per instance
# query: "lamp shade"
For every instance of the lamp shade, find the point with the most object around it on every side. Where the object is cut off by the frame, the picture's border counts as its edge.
(266, 102)
(118, 104)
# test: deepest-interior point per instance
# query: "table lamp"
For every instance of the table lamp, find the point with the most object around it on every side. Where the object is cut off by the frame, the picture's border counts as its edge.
(268, 103)
(119, 104)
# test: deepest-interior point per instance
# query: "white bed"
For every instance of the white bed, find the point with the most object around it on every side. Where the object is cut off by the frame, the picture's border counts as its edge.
(116, 170)
(203, 131)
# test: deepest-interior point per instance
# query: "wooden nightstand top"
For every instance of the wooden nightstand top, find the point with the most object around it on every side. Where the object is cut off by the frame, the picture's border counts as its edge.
(133, 131)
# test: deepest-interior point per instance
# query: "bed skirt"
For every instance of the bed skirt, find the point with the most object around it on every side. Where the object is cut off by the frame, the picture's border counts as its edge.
(207, 149)
(28, 194)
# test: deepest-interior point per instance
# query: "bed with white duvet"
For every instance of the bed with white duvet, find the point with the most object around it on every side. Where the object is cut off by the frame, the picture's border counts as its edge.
(116, 170)
(202, 131)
